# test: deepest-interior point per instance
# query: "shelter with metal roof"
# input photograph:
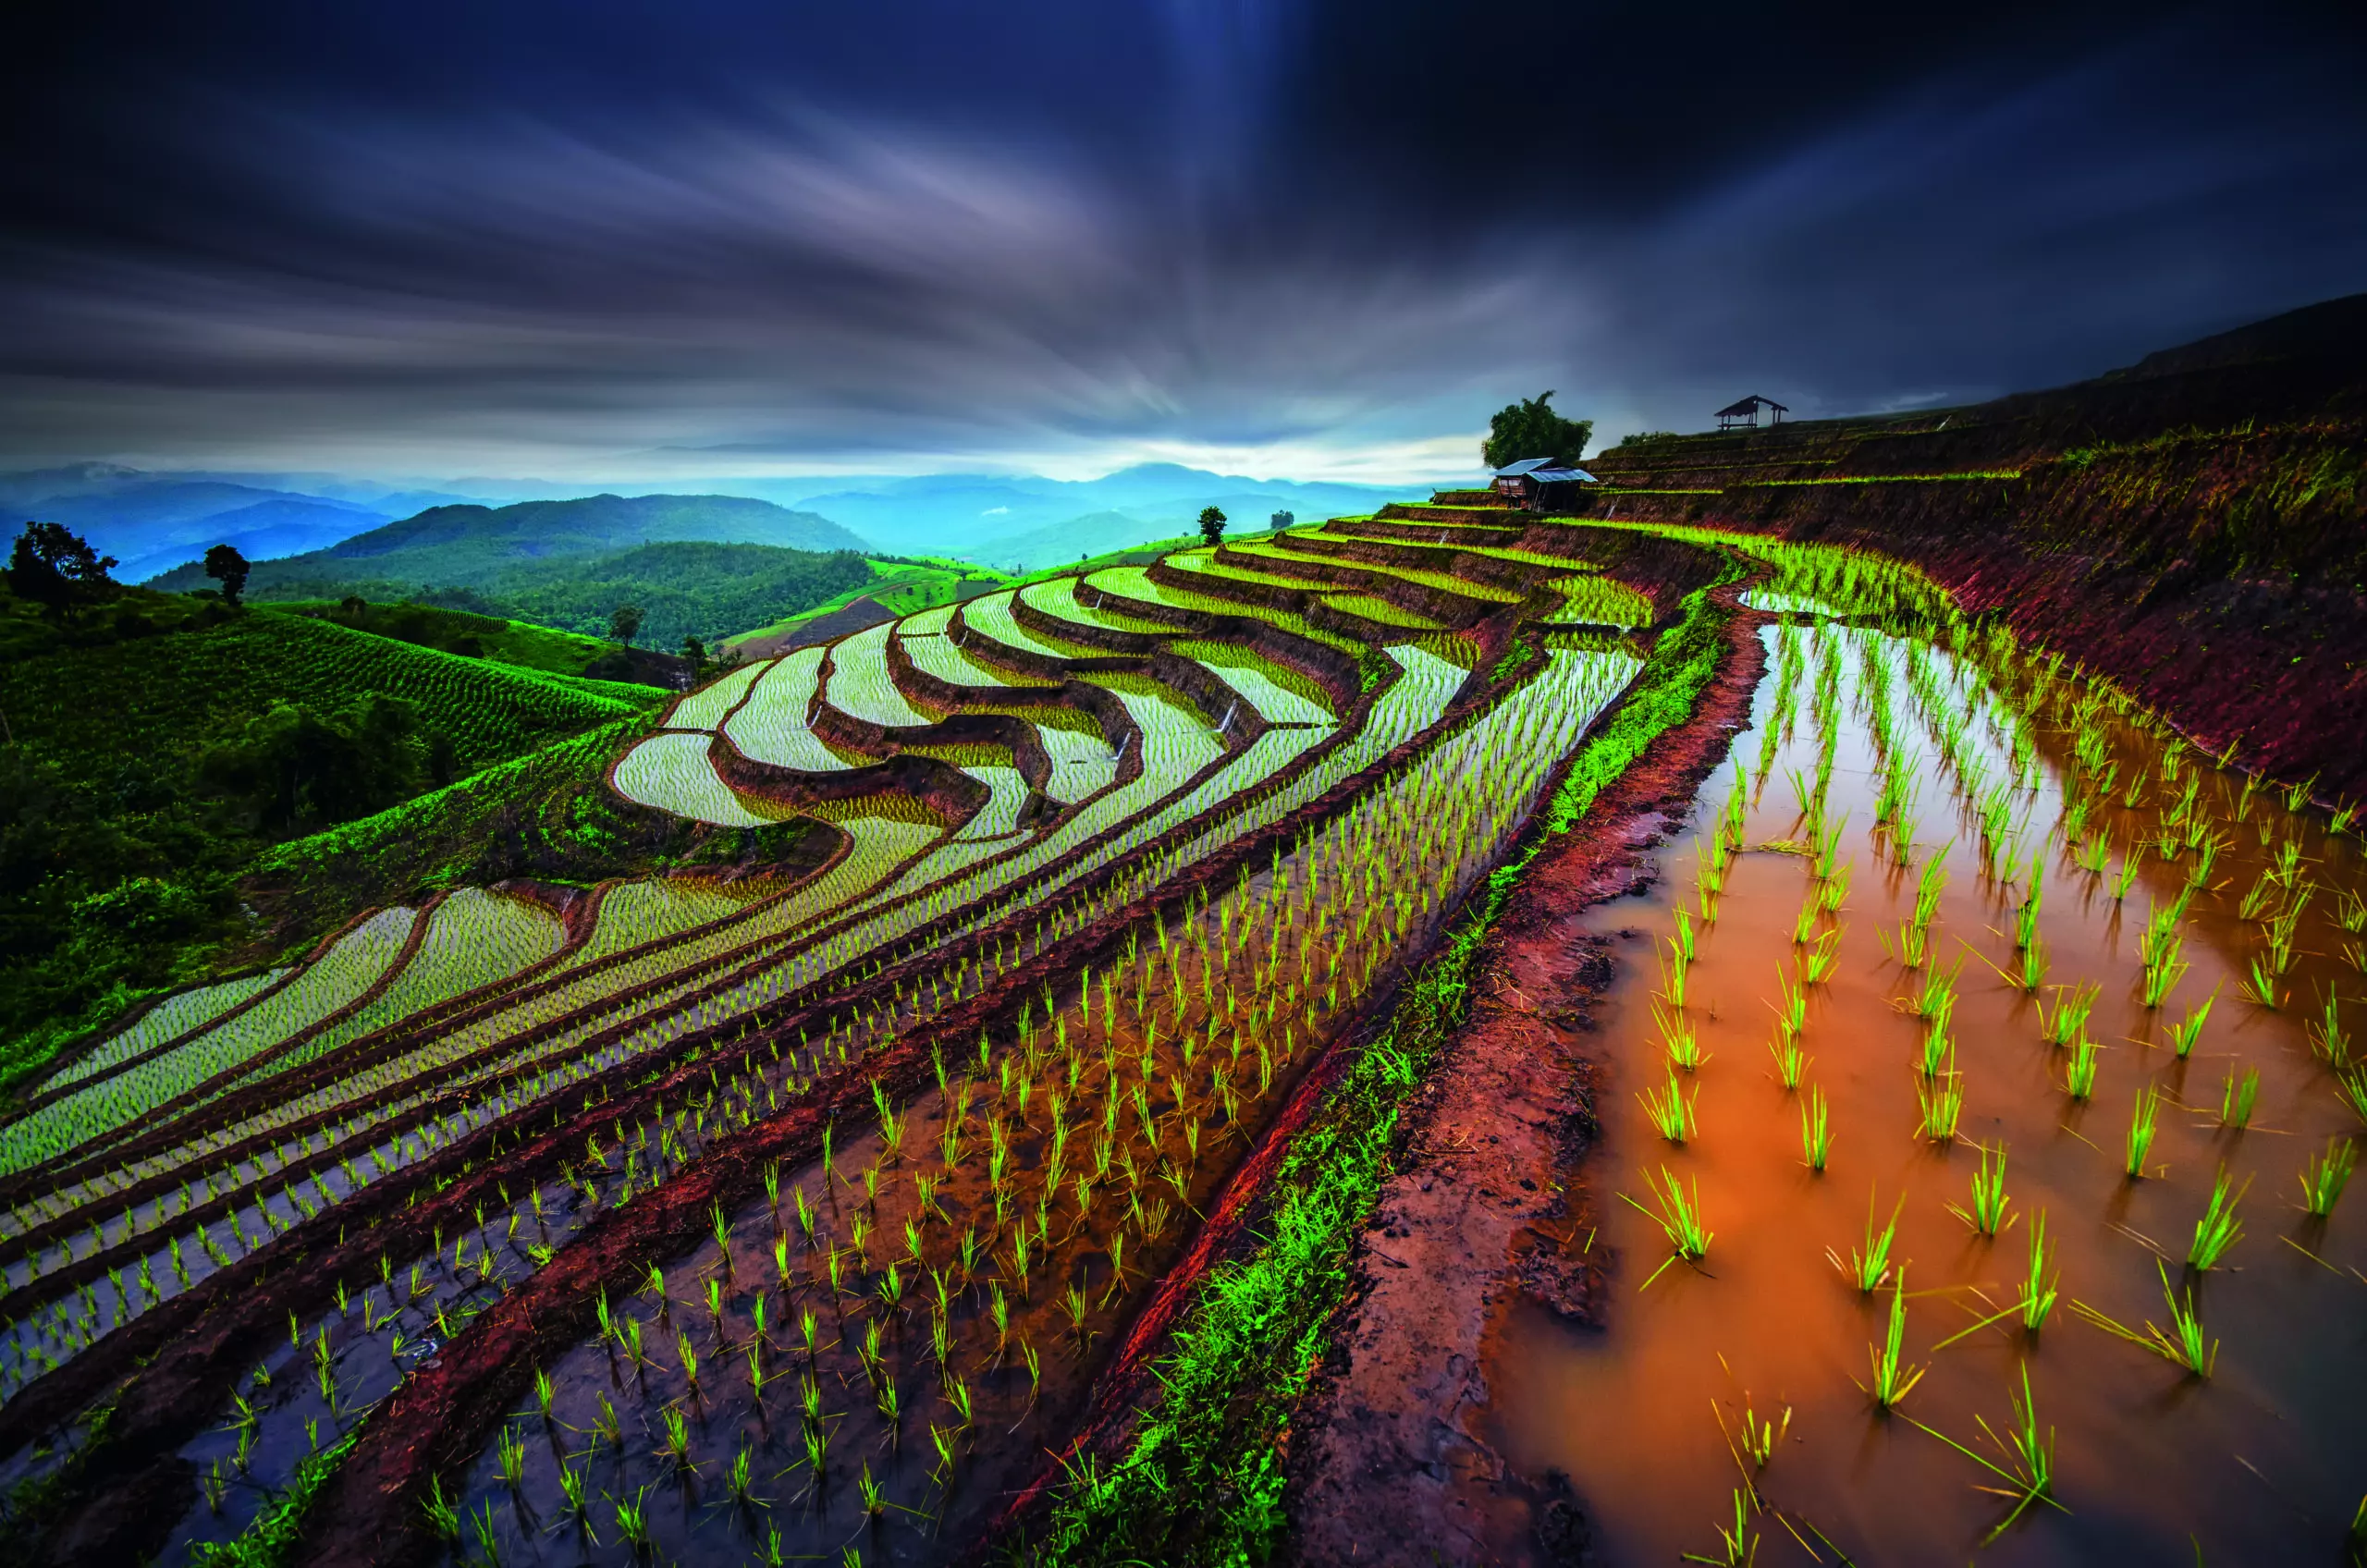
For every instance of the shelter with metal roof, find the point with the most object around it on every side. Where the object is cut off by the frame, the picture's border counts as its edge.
(1537, 483)
(1744, 412)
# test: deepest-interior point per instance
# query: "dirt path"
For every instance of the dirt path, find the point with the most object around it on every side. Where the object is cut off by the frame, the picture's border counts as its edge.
(1395, 1469)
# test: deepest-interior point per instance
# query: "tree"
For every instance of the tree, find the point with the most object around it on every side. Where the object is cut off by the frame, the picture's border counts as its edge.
(56, 568)
(225, 565)
(1281, 520)
(1531, 429)
(624, 624)
(1212, 525)
(296, 768)
(694, 651)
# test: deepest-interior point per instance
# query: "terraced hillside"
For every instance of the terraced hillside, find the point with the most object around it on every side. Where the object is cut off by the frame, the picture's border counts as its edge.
(150, 754)
(762, 1214)
(2191, 525)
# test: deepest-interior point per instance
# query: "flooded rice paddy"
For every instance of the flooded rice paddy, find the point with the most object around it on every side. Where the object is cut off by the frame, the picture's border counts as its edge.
(1749, 1376)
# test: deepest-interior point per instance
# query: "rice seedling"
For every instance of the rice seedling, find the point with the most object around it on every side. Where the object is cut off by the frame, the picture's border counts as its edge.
(631, 1519)
(675, 1446)
(1939, 1053)
(2036, 1294)
(1930, 886)
(606, 1425)
(442, 1517)
(1804, 924)
(2066, 1021)
(2350, 1082)
(1671, 1109)
(2182, 1344)
(2328, 1038)
(2025, 916)
(1739, 1547)
(1893, 1379)
(1833, 891)
(2187, 1030)
(2034, 964)
(1679, 1217)
(510, 1457)
(1941, 1104)
(1678, 1040)
(1817, 967)
(1673, 971)
(1790, 1060)
(2218, 1230)
(2323, 1177)
(2140, 1130)
(2079, 1072)
(1815, 1131)
(572, 1493)
(1935, 999)
(1760, 1437)
(1990, 1201)
(2131, 864)
(2261, 989)
(2164, 969)
(2237, 1097)
(1869, 1265)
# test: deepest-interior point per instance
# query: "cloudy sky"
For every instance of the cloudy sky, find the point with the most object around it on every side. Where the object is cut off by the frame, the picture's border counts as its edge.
(1311, 238)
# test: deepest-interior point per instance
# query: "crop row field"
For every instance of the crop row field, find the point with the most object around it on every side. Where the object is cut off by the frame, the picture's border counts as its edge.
(1982, 1092)
(1114, 863)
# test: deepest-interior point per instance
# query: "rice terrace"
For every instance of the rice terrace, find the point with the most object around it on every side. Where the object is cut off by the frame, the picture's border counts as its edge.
(1806, 1005)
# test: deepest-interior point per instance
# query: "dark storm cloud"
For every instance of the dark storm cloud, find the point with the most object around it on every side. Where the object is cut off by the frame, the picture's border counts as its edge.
(440, 238)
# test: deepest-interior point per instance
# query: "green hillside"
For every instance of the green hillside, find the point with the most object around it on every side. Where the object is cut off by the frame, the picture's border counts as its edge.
(708, 590)
(465, 545)
(92, 711)
(496, 639)
(899, 586)
(151, 748)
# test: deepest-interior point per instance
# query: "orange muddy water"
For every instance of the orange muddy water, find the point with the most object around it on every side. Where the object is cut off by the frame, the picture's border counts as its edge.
(2264, 1462)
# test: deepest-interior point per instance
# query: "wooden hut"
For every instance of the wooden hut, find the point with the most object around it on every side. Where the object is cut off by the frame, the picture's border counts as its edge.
(1746, 412)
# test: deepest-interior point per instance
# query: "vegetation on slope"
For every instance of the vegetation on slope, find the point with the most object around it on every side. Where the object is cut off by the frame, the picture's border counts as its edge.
(493, 637)
(708, 590)
(152, 746)
(465, 545)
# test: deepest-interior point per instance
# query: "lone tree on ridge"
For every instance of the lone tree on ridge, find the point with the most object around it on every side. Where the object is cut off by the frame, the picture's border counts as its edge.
(1211, 525)
(624, 624)
(1531, 429)
(56, 568)
(226, 565)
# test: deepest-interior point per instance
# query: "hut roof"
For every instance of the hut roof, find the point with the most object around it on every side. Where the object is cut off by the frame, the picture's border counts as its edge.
(1746, 407)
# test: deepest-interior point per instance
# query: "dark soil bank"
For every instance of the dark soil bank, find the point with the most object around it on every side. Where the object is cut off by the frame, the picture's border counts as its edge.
(1393, 1468)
